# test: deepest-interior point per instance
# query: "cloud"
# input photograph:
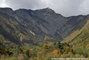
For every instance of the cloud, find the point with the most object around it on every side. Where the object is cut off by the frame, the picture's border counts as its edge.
(84, 7)
(28, 4)
(3, 3)
(64, 7)
(67, 7)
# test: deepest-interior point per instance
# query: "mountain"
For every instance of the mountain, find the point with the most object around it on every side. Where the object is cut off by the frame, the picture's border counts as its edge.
(34, 27)
(79, 40)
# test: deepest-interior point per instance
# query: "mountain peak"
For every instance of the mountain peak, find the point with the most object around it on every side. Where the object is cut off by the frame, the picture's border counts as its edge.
(6, 9)
(46, 10)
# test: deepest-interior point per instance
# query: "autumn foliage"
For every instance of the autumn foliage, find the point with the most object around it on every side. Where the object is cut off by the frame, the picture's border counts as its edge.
(57, 51)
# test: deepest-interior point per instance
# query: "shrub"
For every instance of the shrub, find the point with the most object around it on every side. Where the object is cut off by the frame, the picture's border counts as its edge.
(57, 51)
(3, 50)
(68, 49)
(58, 45)
(46, 46)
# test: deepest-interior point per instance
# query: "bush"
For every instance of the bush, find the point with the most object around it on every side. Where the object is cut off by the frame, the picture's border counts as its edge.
(58, 45)
(57, 51)
(16, 50)
(3, 50)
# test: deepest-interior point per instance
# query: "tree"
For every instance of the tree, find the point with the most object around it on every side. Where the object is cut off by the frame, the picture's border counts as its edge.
(46, 46)
(2, 50)
(16, 50)
(58, 45)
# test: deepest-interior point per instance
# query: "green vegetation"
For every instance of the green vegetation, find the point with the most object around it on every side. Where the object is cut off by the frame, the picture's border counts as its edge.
(81, 42)
(44, 52)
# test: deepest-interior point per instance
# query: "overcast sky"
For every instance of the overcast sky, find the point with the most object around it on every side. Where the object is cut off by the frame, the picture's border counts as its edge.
(64, 7)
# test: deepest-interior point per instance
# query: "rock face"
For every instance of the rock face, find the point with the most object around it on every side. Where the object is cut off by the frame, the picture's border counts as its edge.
(34, 25)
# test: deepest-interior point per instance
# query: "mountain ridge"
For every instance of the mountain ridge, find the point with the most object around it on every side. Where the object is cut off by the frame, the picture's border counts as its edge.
(37, 26)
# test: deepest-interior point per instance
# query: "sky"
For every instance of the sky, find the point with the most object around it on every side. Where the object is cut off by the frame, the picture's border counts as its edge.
(64, 7)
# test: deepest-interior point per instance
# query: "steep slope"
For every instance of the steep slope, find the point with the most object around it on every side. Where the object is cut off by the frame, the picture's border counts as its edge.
(36, 26)
(78, 30)
(80, 40)
(74, 23)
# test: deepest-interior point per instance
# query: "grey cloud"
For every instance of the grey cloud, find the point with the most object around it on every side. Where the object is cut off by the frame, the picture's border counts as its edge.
(64, 7)
(32, 4)
(67, 7)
